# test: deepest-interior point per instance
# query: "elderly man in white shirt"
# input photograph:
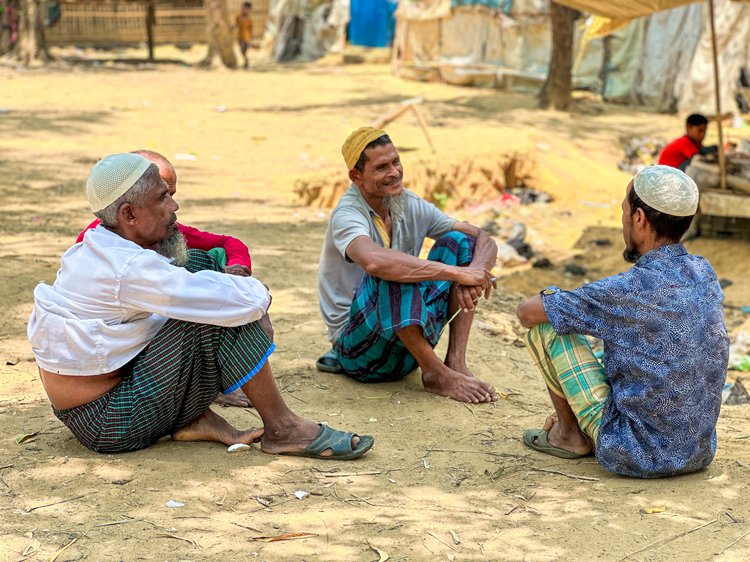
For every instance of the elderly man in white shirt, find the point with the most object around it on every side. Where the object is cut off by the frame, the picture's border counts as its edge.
(138, 335)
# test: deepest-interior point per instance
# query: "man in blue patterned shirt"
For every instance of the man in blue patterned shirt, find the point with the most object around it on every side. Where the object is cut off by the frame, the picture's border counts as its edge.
(651, 410)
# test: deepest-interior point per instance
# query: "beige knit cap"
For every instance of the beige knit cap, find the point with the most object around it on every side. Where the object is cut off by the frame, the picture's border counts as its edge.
(668, 190)
(112, 176)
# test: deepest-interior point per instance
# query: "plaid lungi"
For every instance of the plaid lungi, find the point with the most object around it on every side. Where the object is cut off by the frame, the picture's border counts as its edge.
(571, 371)
(171, 382)
(369, 349)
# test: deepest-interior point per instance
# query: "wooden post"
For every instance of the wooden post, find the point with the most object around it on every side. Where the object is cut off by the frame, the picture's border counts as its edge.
(150, 21)
(722, 156)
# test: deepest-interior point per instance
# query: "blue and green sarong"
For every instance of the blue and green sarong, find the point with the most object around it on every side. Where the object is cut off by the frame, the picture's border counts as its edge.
(369, 349)
(172, 381)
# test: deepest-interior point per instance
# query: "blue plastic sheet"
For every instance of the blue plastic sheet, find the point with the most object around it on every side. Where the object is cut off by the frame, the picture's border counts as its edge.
(372, 22)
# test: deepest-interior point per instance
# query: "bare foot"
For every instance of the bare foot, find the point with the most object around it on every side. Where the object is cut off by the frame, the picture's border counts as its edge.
(458, 386)
(210, 426)
(295, 438)
(575, 442)
(236, 398)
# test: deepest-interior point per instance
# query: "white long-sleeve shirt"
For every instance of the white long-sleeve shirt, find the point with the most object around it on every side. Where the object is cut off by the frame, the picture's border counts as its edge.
(112, 296)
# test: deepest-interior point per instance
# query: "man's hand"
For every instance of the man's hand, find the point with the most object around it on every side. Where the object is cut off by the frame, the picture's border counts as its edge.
(474, 283)
(237, 269)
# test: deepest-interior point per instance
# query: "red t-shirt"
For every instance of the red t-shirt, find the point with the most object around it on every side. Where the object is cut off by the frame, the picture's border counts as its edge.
(237, 252)
(677, 151)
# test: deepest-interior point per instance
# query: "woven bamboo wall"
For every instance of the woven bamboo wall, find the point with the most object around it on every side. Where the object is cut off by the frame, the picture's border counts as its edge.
(124, 23)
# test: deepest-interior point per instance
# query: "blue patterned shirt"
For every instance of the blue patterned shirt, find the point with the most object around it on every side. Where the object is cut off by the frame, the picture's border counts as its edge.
(665, 354)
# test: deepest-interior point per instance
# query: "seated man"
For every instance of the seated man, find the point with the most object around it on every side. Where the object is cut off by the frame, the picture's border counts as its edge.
(651, 410)
(131, 347)
(232, 255)
(230, 252)
(385, 308)
(679, 152)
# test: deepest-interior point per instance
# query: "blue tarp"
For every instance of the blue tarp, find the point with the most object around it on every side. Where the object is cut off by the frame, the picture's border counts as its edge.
(372, 22)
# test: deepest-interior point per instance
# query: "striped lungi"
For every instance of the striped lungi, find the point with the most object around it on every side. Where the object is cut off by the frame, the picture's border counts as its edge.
(172, 381)
(571, 371)
(369, 349)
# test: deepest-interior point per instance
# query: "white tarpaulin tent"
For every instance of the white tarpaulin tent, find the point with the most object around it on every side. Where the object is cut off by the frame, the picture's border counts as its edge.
(735, 42)
(471, 45)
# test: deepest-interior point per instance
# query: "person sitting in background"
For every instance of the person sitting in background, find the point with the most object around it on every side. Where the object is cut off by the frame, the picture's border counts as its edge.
(231, 254)
(679, 152)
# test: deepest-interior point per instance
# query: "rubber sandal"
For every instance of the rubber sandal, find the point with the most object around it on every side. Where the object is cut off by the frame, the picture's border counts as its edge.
(537, 440)
(339, 442)
(329, 363)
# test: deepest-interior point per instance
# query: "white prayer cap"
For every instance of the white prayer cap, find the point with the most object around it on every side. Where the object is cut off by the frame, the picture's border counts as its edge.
(667, 190)
(112, 176)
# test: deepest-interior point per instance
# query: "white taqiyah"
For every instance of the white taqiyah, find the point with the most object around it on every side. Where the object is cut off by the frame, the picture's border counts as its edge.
(668, 190)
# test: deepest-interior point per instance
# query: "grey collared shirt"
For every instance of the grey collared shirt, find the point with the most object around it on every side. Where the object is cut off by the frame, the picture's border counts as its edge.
(338, 277)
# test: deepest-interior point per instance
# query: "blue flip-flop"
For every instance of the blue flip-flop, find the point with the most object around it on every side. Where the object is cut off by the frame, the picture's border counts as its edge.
(329, 363)
(339, 442)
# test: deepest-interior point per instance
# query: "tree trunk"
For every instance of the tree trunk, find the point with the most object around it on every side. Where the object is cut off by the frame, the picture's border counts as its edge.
(32, 45)
(220, 32)
(150, 22)
(557, 87)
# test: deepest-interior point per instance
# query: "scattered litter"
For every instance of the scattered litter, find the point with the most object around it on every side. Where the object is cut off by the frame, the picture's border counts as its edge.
(381, 553)
(508, 256)
(456, 538)
(12, 362)
(373, 420)
(221, 109)
(639, 153)
(726, 391)
(739, 352)
(185, 156)
(299, 494)
(122, 482)
(738, 394)
(265, 502)
(174, 504)
(26, 437)
(238, 447)
(575, 269)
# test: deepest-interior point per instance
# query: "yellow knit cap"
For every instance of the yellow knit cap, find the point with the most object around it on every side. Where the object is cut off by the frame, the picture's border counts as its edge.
(356, 143)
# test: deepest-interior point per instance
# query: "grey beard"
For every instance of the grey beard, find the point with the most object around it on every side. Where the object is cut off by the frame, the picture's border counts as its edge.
(175, 247)
(396, 206)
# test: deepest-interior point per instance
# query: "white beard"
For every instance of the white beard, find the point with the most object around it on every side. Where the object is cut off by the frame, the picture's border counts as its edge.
(175, 247)
(396, 206)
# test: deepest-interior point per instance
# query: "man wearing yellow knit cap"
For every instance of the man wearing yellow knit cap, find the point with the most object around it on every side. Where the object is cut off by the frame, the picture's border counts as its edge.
(385, 308)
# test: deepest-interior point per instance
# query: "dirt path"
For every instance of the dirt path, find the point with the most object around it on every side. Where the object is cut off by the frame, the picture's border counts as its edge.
(445, 480)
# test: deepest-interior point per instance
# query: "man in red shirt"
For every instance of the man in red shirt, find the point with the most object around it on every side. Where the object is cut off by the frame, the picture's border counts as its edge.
(679, 152)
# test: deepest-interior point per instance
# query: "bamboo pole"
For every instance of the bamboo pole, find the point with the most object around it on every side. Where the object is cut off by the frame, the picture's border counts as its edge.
(722, 156)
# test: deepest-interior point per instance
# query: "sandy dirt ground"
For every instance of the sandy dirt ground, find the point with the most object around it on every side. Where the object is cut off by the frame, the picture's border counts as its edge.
(445, 481)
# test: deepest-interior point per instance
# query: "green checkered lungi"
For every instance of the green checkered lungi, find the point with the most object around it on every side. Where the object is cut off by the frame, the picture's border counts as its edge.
(571, 371)
(172, 381)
